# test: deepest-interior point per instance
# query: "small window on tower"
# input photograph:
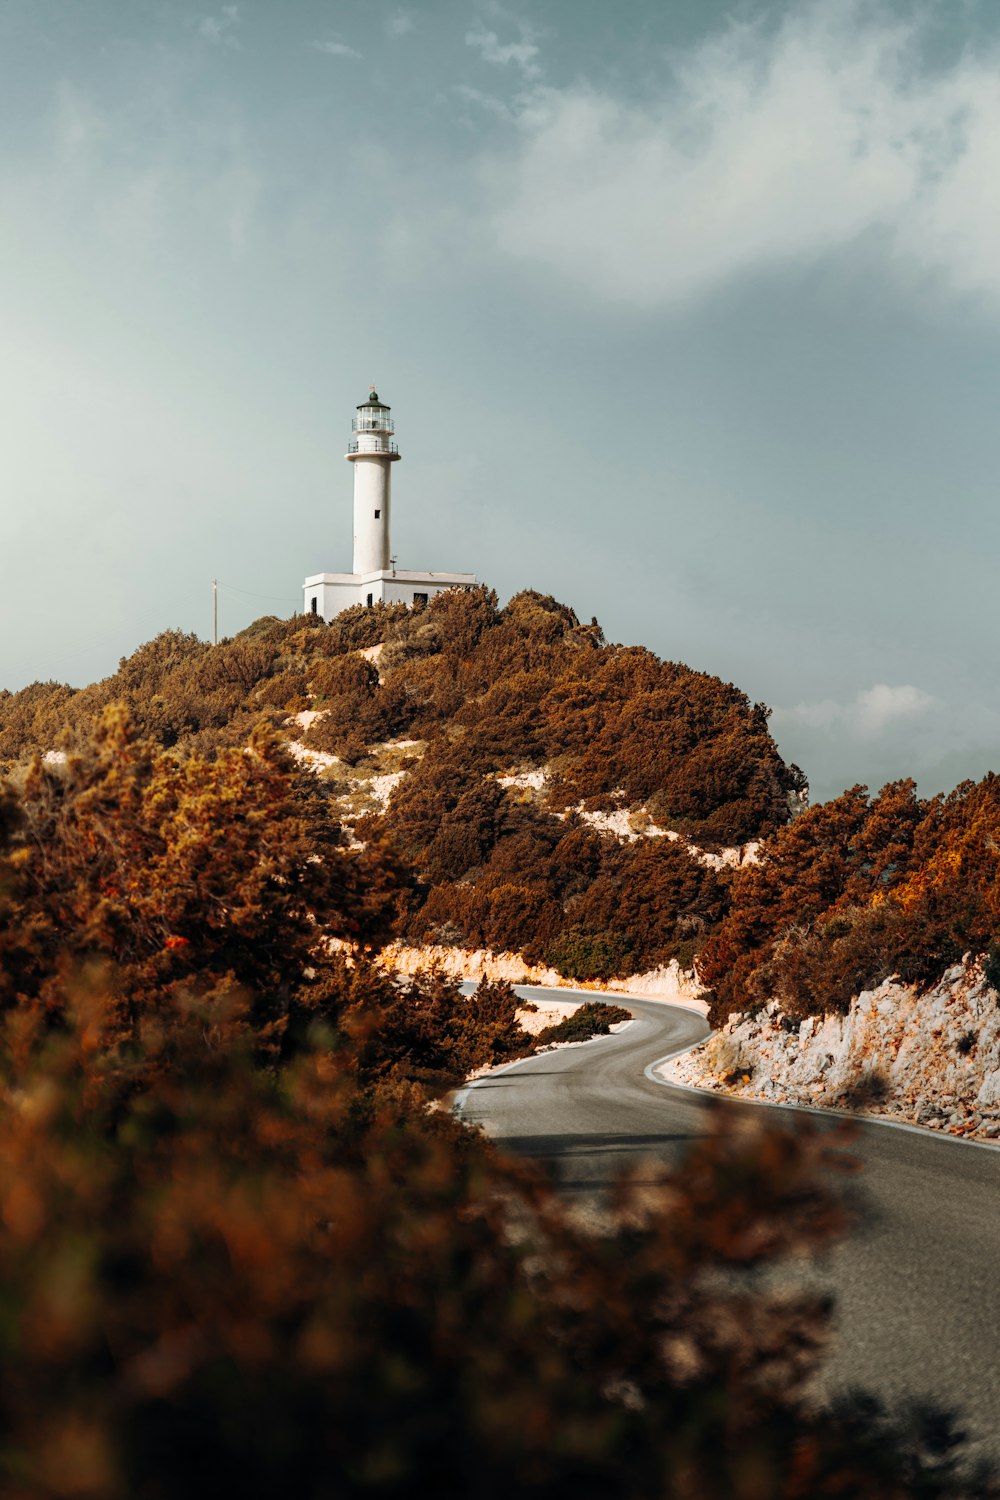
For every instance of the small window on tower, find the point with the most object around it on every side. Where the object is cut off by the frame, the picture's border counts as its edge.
(369, 601)
(377, 514)
(312, 604)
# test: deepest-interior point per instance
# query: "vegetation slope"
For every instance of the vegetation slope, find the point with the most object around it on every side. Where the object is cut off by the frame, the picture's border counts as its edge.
(509, 738)
(240, 1252)
(504, 752)
(856, 891)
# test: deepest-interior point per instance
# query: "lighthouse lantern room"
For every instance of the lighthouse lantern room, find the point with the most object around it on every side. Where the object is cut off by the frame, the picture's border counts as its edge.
(375, 578)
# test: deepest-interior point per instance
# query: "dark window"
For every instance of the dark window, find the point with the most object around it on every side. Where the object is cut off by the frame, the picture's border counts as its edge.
(368, 601)
(377, 514)
(420, 598)
(312, 604)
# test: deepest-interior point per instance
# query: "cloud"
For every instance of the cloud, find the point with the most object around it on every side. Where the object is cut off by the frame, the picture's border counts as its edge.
(523, 53)
(220, 29)
(871, 713)
(399, 23)
(885, 733)
(335, 49)
(140, 180)
(759, 148)
(481, 100)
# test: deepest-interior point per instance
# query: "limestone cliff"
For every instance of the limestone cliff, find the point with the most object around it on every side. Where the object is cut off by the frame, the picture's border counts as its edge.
(930, 1058)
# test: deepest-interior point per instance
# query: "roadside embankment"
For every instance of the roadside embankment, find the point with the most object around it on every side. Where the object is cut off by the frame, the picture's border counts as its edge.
(930, 1058)
(667, 983)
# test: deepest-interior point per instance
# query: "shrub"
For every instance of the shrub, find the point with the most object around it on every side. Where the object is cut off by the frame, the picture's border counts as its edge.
(432, 1034)
(589, 955)
(991, 965)
(593, 1018)
(181, 872)
(358, 628)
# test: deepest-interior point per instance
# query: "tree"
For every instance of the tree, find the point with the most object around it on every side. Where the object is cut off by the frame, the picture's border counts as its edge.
(181, 872)
(239, 1249)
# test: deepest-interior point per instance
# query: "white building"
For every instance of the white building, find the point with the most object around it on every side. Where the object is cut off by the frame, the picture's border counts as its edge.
(375, 578)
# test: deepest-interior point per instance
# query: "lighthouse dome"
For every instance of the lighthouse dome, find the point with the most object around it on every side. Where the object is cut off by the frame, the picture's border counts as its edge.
(373, 401)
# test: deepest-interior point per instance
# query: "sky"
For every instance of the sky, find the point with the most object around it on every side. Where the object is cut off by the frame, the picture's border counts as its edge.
(688, 314)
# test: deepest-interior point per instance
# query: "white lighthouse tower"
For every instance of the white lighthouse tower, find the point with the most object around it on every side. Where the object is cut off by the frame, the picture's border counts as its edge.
(375, 578)
(372, 454)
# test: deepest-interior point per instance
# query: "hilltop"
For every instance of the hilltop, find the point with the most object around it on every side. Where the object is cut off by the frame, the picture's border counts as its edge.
(583, 803)
(576, 802)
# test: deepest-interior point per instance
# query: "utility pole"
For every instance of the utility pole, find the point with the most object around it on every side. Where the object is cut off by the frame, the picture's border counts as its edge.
(215, 611)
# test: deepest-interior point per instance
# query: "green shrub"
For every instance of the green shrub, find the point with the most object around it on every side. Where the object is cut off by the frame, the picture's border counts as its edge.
(593, 1018)
(589, 955)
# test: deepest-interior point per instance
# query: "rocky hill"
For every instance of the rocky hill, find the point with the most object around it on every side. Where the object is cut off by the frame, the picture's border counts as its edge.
(580, 803)
(576, 809)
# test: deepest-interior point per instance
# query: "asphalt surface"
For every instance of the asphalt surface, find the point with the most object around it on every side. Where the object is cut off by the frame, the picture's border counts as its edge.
(916, 1285)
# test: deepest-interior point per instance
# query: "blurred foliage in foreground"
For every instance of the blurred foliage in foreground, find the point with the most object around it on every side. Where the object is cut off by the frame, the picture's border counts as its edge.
(240, 1254)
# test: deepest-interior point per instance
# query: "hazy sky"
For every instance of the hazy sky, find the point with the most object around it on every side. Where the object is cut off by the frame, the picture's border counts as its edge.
(691, 319)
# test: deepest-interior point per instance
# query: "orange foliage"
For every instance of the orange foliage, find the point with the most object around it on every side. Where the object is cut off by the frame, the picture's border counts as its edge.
(856, 892)
(239, 1252)
(488, 688)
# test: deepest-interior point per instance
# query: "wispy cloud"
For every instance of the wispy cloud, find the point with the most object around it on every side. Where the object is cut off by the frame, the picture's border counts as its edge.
(763, 148)
(335, 48)
(886, 732)
(874, 711)
(481, 100)
(522, 52)
(220, 29)
(137, 199)
(399, 23)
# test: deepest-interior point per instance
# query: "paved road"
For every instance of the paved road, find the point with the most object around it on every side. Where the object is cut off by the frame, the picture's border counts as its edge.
(917, 1286)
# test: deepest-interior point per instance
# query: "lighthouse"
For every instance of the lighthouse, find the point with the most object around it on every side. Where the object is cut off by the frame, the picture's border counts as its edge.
(372, 454)
(375, 578)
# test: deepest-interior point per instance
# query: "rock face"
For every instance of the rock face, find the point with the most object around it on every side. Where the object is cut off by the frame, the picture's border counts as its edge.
(669, 983)
(931, 1059)
(462, 963)
(630, 824)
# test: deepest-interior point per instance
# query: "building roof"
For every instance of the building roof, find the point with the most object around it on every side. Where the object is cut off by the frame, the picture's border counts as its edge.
(374, 401)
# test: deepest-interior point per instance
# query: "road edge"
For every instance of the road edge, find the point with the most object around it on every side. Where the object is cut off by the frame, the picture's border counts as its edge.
(805, 1109)
(607, 997)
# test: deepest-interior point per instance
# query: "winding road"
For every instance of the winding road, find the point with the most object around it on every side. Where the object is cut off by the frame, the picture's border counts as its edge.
(917, 1285)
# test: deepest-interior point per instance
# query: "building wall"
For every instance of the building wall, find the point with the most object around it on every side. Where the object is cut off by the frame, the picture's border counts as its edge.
(334, 592)
(372, 499)
(405, 593)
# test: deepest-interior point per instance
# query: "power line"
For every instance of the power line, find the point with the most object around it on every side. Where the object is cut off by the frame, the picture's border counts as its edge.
(272, 598)
(95, 644)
